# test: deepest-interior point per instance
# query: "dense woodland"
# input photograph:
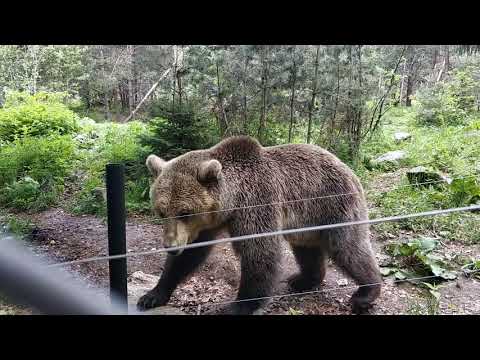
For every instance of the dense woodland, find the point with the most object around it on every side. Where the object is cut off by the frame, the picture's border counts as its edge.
(332, 95)
(397, 114)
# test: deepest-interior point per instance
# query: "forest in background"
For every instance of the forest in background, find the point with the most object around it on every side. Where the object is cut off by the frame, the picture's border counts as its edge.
(335, 96)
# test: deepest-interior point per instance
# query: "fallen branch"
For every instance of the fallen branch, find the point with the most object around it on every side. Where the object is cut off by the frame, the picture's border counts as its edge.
(148, 94)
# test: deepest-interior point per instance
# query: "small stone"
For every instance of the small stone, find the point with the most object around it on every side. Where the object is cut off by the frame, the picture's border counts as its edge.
(153, 249)
(391, 157)
(52, 242)
(400, 136)
(421, 174)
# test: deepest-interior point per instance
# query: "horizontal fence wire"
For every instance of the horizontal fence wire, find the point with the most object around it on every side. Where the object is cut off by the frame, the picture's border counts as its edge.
(274, 233)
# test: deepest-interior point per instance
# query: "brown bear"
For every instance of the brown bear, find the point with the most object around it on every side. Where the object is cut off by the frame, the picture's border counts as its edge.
(223, 185)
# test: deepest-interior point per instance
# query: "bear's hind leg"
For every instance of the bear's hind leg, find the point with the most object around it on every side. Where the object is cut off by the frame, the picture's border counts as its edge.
(355, 256)
(313, 265)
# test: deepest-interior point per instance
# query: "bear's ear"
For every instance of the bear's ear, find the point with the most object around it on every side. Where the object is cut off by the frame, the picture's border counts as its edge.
(209, 171)
(155, 164)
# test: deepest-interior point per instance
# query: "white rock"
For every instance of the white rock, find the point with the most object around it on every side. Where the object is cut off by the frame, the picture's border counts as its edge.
(139, 284)
(391, 156)
(400, 136)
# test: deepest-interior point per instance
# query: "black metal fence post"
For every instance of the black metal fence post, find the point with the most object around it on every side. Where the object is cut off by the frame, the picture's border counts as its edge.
(117, 244)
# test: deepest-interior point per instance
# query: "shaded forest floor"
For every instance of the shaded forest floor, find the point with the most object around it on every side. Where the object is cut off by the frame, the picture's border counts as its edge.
(63, 237)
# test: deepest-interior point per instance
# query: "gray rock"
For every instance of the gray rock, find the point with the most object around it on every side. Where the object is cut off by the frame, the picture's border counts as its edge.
(391, 156)
(474, 133)
(401, 136)
(420, 175)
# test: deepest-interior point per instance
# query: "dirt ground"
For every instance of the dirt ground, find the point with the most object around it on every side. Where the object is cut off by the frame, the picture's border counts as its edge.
(65, 237)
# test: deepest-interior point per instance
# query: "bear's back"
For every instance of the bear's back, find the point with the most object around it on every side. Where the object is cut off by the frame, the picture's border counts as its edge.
(286, 172)
(294, 163)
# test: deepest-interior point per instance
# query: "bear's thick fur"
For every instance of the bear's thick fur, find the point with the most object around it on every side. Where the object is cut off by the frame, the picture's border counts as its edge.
(238, 173)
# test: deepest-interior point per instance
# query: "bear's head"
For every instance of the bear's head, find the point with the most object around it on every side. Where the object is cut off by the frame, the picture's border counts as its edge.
(185, 194)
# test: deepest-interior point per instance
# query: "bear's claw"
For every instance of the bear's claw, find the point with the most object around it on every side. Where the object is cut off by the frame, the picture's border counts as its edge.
(151, 300)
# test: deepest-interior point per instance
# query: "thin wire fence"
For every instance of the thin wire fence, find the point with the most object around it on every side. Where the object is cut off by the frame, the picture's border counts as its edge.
(272, 234)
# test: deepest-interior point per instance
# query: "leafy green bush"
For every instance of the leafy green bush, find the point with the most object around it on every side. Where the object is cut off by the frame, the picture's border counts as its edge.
(33, 171)
(472, 268)
(449, 102)
(137, 195)
(35, 115)
(465, 191)
(87, 201)
(416, 259)
(27, 194)
(105, 143)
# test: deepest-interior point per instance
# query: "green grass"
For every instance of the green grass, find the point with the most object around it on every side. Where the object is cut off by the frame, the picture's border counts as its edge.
(15, 225)
(452, 150)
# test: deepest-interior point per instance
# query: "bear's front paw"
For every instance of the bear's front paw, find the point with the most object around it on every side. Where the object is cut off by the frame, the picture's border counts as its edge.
(360, 306)
(299, 283)
(151, 300)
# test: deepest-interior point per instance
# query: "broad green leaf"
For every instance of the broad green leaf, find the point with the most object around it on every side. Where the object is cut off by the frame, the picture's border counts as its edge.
(385, 271)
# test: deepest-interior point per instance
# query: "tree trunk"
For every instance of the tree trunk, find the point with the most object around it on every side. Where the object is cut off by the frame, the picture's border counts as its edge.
(106, 90)
(435, 57)
(408, 100)
(222, 118)
(179, 74)
(35, 61)
(447, 58)
(245, 114)
(410, 75)
(108, 116)
(442, 69)
(180, 90)
(332, 119)
(314, 94)
(402, 83)
(292, 99)
(356, 114)
(131, 79)
(174, 76)
(261, 128)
